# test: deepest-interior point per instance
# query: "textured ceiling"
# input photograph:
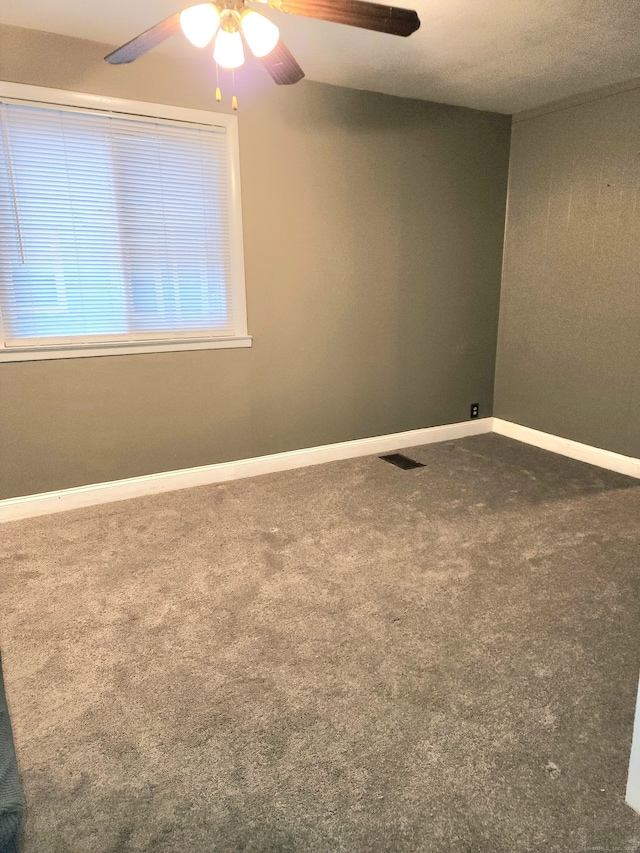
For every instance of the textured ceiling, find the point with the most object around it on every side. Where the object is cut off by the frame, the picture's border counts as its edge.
(500, 55)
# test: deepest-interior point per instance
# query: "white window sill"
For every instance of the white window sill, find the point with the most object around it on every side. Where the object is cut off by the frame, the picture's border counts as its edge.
(120, 349)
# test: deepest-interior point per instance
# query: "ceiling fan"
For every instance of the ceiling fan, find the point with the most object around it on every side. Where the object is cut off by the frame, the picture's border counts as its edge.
(228, 21)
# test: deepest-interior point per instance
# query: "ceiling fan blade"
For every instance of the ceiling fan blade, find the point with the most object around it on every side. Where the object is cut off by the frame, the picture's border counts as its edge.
(145, 41)
(355, 13)
(282, 66)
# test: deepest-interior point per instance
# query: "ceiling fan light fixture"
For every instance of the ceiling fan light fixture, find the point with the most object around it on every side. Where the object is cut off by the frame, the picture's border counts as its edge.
(200, 23)
(228, 50)
(261, 34)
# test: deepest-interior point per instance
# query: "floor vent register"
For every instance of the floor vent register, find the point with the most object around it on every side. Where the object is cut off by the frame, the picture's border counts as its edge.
(401, 461)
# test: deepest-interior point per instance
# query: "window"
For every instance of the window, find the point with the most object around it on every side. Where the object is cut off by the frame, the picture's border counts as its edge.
(120, 227)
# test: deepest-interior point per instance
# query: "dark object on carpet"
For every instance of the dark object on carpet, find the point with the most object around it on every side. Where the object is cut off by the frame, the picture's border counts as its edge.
(11, 804)
(402, 461)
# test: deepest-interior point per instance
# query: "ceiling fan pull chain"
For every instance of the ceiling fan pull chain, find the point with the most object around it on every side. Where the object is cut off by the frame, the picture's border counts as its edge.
(218, 92)
(234, 100)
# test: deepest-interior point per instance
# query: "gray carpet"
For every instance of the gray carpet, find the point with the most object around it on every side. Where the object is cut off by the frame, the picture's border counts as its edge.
(348, 657)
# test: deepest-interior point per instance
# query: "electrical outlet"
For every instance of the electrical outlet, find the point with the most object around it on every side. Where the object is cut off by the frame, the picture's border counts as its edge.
(475, 410)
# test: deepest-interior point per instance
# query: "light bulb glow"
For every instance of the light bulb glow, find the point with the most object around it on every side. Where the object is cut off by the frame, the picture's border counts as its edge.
(261, 34)
(200, 23)
(228, 51)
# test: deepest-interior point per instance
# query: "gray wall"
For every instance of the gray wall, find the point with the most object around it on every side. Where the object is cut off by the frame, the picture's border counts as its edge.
(569, 340)
(373, 243)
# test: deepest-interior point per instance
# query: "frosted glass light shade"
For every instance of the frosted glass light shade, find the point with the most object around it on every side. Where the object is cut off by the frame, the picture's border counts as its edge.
(228, 50)
(200, 23)
(261, 34)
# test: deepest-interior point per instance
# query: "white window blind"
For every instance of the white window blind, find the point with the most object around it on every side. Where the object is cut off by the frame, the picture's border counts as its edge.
(114, 229)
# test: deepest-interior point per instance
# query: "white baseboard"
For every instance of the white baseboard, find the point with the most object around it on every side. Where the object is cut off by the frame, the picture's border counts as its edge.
(29, 506)
(13, 509)
(628, 465)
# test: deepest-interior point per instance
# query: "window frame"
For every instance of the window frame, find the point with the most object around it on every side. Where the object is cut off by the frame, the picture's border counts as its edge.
(90, 103)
